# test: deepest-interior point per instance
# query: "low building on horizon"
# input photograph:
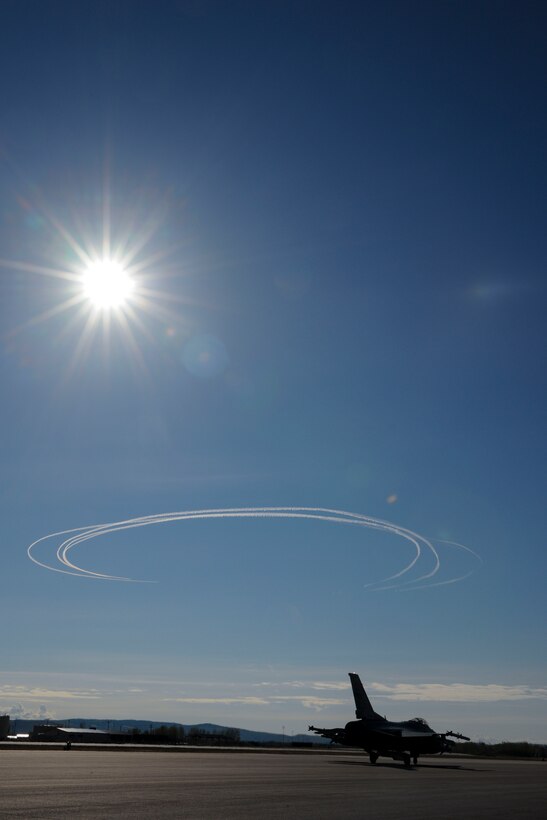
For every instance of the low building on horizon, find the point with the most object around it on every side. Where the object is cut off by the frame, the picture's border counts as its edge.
(48, 733)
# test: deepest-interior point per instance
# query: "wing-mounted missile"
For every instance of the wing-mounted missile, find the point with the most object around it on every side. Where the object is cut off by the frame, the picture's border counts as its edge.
(449, 745)
(334, 735)
(457, 735)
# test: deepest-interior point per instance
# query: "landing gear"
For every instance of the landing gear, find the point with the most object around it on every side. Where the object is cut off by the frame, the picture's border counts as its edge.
(406, 761)
(373, 757)
(415, 760)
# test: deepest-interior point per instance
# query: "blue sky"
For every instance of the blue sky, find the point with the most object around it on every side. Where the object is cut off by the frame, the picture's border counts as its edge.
(335, 217)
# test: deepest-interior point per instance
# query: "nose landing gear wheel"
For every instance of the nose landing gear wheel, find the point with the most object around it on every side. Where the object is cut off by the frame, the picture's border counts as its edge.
(373, 757)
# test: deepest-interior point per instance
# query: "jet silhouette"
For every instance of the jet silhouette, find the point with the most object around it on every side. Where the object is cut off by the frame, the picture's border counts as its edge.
(381, 737)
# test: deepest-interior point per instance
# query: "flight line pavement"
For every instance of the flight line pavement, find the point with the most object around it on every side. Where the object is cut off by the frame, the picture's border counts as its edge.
(197, 785)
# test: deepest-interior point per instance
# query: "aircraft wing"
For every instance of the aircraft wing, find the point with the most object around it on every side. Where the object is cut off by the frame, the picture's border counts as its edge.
(403, 733)
(409, 733)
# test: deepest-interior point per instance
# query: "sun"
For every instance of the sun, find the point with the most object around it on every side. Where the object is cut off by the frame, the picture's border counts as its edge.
(107, 284)
(105, 270)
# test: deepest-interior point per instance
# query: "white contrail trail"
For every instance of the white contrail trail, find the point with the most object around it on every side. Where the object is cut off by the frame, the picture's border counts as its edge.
(86, 533)
(454, 580)
(79, 535)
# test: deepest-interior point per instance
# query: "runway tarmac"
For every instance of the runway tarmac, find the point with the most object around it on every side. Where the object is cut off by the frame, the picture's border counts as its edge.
(149, 784)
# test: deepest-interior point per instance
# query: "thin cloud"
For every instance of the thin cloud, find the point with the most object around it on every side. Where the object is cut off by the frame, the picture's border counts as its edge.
(308, 701)
(458, 692)
(25, 693)
(252, 701)
(300, 684)
(318, 684)
(21, 712)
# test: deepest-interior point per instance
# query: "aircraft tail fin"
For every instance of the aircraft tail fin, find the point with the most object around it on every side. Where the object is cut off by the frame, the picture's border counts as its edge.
(363, 706)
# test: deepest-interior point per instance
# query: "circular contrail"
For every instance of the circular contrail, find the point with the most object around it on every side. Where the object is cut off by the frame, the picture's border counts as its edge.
(422, 546)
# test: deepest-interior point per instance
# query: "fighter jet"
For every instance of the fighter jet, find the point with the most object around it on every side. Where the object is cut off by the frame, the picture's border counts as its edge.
(381, 737)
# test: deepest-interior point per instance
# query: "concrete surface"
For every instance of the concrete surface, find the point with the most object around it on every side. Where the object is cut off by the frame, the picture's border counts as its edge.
(99, 784)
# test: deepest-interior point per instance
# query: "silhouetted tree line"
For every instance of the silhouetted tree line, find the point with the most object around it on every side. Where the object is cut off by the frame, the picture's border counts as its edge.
(506, 749)
(160, 734)
(199, 737)
(176, 735)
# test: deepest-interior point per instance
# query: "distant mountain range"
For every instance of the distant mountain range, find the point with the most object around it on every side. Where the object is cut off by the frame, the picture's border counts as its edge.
(246, 735)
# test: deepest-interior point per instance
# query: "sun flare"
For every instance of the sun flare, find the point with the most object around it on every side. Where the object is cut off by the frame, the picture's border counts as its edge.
(106, 284)
(104, 280)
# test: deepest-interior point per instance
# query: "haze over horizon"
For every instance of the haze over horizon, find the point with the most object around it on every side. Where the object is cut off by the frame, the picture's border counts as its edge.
(284, 264)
